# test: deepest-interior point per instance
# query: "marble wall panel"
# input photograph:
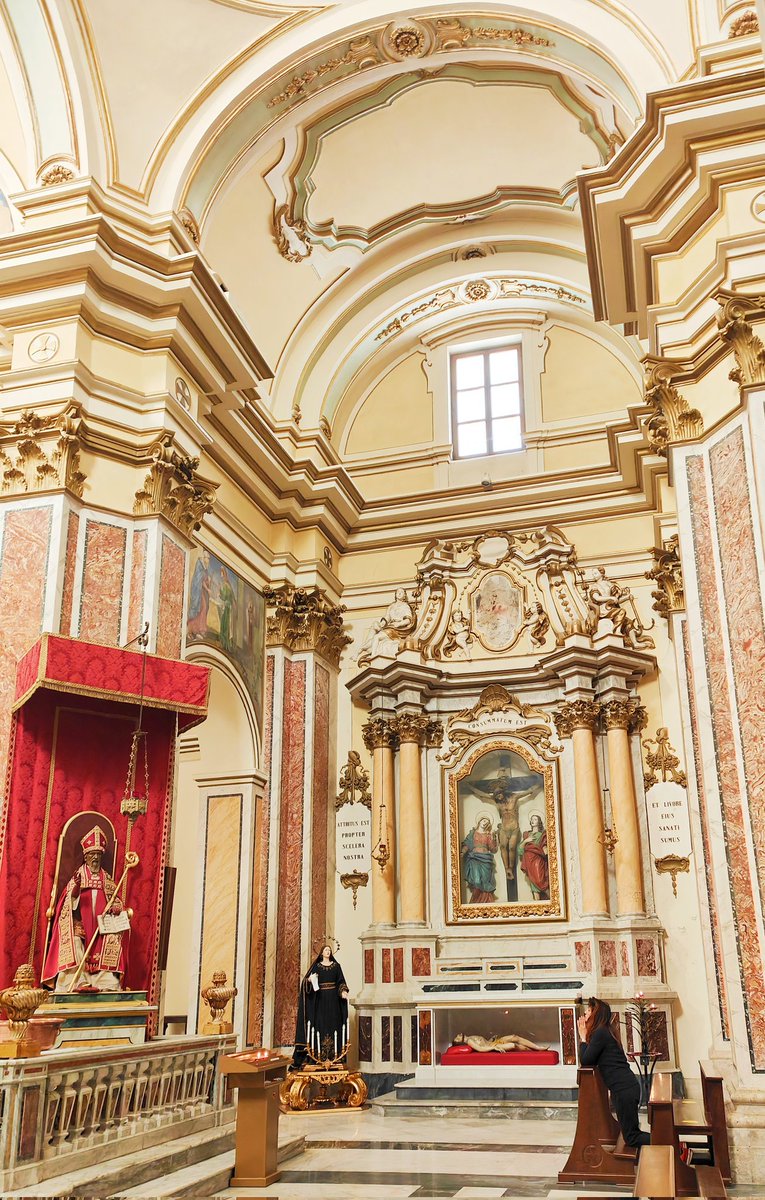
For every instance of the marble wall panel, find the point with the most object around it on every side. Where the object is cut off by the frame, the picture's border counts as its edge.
(583, 956)
(714, 912)
(413, 1038)
(398, 964)
(425, 1034)
(70, 570)
(421, 961)
(290, 902)
(646, 957)
(568, 1036)
(100, 616)
(140, 540)
(386, 964)
(257, 989)
(172, 582)
(398, 1039)
(385, 1038)
(365, 1038)
(751, 973)
(320, 803)
(369, 965)
(624, 956)
(660, 1037)
(30, 1119)
(24, 559)
(220, 903)
(607, 951)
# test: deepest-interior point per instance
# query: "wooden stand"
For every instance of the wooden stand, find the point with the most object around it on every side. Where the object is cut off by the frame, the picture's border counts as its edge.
(257, 1074)
(598, 1153)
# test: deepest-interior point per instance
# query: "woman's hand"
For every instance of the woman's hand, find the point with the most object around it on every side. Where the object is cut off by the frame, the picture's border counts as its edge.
(582, 1027)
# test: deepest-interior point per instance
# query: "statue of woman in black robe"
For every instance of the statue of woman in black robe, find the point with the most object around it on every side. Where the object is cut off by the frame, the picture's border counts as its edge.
(322, 1018)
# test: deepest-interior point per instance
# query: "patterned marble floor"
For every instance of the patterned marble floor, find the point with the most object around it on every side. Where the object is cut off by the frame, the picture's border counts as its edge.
(366, 1156)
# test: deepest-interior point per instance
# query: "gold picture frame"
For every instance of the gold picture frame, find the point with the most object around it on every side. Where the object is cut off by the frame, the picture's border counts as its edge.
(503, 769)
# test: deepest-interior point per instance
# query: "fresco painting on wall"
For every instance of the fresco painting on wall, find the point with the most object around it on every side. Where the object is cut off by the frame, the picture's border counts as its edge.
(497, 611)
(504, 835)
(228, 613)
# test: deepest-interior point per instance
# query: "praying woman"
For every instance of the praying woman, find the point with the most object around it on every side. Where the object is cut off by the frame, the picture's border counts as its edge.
(599, 1048)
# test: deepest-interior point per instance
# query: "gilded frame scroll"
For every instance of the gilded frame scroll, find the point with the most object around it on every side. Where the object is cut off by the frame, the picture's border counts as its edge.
(472, 788)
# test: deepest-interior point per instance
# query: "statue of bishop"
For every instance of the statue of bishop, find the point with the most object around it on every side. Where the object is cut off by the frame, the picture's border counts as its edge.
(80, 905)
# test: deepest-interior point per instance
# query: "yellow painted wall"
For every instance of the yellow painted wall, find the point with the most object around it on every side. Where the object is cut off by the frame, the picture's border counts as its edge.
(397, 412)
(583, 377)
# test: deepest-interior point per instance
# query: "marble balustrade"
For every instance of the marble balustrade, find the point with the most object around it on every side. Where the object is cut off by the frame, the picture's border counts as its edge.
(62, 1111)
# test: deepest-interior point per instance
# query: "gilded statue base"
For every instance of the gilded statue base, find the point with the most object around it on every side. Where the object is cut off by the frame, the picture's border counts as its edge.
(218, 1028)
(319, 1088)
(26, 1048)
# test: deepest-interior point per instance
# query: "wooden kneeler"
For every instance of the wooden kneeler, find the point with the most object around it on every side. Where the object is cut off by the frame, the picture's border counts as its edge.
(661, 1115)
(598, 1153)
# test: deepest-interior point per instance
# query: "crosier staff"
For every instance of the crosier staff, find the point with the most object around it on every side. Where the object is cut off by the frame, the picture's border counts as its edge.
(131, 860)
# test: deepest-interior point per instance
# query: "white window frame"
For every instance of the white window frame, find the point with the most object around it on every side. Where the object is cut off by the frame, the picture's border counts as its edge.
(485, 352)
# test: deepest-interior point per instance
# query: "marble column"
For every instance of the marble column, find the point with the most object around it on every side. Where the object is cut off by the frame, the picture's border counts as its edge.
(578, 720)
(622, 717)
(414, 730)
(381, 740)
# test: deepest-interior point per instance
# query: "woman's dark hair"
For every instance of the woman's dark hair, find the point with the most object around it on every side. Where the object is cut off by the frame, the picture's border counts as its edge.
(600, 1014)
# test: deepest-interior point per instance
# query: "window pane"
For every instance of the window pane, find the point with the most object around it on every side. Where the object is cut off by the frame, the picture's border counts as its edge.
(472, 438)
(469, 371)
(503, 366)
(471, 405)
(506, 399)
(506, 434)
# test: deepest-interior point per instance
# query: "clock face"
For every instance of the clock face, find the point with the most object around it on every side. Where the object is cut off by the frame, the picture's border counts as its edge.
(43, 347)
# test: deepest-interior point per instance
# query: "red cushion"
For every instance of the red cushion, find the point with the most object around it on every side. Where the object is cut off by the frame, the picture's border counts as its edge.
(457, 1056)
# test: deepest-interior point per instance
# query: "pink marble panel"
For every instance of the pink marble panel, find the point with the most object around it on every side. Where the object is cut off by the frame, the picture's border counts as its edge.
(607, 958)
(369, 965)
(741, 883)
(23, 575)
(320, 803)
(256, 1034)
(624, 957)
(386, 965)
(660, 1037)
(583, 956)
(70, 566)
(722, 994)
(425, 1037)
(137, 583)
(103, 575)
(421, 960)
(398, 964)
(290, 896)
(646, 957)
(172, 578)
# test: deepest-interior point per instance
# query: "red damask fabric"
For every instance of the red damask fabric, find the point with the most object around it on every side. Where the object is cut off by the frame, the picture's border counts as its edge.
(70, 753)
(70, 665)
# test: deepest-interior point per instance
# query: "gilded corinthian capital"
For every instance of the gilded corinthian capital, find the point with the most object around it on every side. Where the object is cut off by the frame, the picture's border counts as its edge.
(411, 727)
(672, 419)
(734, 320)
(378, 732)
(304, 619)
(174, 490)
(625, 714)
(576, 714)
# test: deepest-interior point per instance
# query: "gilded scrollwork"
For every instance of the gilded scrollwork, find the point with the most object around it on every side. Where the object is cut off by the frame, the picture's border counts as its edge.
(662, 763)
(290, 235)
(354, 783)
(497, 711)
(667, 573)
(304, 619)
(173, 489)
(41, 454)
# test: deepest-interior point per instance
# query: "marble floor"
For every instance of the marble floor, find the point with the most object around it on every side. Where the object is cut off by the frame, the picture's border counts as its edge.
(368, 1156)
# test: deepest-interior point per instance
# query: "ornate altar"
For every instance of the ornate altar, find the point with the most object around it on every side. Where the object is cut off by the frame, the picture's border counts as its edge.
(75, 714)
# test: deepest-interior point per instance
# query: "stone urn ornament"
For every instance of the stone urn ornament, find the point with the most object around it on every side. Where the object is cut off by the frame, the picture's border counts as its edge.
(216, 996)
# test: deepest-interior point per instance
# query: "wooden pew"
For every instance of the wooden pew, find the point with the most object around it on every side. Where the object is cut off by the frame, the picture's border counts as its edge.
(594, 1156)
(708, 1121)
(656, 1173)
(710, 1183)
(661, 1117)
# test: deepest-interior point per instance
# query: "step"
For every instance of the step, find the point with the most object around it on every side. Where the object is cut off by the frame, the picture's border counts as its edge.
(203, 1179)
(157, 1166)
(391, 1104)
